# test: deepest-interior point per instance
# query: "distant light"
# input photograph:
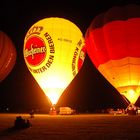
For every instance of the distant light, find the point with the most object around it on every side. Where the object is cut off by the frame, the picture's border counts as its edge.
(7, 109)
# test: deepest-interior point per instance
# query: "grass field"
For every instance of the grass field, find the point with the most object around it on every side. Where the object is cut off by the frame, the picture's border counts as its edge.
(74, 127)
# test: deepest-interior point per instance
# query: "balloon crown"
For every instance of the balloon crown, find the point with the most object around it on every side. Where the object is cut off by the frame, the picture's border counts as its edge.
(34, 30)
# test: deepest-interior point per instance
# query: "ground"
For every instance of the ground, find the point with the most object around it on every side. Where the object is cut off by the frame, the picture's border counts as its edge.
(76, 127)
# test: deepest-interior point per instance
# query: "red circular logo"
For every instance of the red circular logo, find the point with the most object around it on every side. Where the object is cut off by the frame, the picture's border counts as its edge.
(35, 50)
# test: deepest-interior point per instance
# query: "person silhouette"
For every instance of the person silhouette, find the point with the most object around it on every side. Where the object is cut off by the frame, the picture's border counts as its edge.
(21, 123)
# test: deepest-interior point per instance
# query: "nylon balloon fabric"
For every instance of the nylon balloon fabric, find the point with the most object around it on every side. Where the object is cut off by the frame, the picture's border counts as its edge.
(113, 41)
(7, 55)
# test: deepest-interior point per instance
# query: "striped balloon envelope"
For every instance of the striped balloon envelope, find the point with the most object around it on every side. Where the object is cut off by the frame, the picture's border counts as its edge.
(7, 55)
(113, 45)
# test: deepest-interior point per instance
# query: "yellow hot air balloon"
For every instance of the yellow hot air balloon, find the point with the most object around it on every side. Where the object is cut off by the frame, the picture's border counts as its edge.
(54, 52)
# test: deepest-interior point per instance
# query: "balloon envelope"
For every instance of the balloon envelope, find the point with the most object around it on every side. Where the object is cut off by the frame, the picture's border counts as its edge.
(7, 55)
(113, 44)
(54, 53)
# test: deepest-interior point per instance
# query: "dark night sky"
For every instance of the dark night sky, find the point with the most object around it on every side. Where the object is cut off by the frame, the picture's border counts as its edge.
(88, 91)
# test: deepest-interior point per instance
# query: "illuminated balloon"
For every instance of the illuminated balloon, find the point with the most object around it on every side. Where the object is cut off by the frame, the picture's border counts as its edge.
(7, 55)
(54, 53)
(113, 44)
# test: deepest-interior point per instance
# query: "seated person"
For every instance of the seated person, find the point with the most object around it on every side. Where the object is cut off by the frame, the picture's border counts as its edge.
(21, 123)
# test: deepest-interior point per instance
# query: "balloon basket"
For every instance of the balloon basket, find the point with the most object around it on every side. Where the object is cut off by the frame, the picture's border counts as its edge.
(52, 111)
(132, 110)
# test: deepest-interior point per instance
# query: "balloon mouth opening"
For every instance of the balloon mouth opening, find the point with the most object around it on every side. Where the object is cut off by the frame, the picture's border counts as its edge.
(53, 95)
(130, 93)
(53, 110)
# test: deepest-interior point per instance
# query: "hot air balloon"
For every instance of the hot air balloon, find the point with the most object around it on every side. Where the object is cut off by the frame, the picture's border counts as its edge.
(7, 55)
(113, 45)
(54, 52)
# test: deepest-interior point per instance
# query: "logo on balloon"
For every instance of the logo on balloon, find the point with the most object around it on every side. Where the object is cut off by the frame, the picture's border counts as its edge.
(35, 50)
(78, 57)
(81, 57)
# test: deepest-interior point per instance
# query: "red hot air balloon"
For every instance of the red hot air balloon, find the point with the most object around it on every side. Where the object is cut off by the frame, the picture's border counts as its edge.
(7, 55)
(113, 44)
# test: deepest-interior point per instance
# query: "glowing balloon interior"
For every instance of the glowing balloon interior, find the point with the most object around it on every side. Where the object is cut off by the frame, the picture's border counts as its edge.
(54, 52)
(113, 44)
(7, 55)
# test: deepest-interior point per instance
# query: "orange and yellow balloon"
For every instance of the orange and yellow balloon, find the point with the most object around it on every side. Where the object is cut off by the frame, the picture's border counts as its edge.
(113, 44)
(7, 55)
(54, 52)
